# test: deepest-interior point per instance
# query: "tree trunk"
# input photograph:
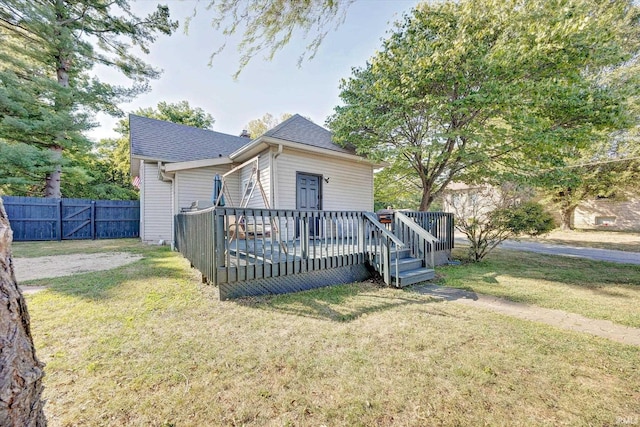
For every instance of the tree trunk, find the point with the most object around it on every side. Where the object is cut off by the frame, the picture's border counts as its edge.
(63, 65)
(52, 180)
(566, 217)
(20, 370)
(426, 200)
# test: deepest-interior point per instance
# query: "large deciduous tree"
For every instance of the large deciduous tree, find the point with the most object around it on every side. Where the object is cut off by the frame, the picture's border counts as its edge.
(268, 25)
(610, 170)
(47, 90)
(20, 370)
(607, 169)
(470, 91)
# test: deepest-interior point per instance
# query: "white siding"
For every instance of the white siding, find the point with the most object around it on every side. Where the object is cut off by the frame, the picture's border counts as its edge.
(257, 200)
(155, 199)
(350, 185)
(197, 184)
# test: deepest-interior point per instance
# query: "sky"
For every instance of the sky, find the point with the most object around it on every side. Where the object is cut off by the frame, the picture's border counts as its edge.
(278, 86)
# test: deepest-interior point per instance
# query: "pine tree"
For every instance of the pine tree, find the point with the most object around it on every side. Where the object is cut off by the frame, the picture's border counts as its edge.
(47, 92)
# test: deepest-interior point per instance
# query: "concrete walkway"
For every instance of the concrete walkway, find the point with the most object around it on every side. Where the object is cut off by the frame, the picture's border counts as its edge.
(557, 318)
(609, 255)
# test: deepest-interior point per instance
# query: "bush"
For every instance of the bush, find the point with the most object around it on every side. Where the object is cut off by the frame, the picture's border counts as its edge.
(489, 215)
(529, 218)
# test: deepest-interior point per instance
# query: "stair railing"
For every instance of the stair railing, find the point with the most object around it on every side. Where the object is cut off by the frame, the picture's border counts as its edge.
(378, 247)
(415, 237)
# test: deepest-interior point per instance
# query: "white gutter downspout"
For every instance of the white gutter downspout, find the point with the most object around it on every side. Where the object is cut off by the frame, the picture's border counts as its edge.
(162, 176)
(274, 176)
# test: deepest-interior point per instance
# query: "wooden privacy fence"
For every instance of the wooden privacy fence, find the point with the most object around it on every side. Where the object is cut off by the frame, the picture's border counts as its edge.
(34, 218)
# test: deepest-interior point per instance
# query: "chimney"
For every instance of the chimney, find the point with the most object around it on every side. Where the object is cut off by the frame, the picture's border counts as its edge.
(245, 134)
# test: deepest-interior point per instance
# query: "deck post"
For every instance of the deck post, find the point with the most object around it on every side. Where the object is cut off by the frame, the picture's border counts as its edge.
(304, 236)
(219, 241)
(386, 260)
(361, 232)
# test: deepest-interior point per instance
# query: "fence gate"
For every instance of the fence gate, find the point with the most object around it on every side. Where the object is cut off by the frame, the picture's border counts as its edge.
(78, 219)
(34, 218)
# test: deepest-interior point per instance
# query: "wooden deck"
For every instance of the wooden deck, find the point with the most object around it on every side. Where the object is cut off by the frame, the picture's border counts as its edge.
(249, 252)
(243, 251)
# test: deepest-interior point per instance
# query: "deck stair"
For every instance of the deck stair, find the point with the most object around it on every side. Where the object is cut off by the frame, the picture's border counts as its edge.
(410, 270)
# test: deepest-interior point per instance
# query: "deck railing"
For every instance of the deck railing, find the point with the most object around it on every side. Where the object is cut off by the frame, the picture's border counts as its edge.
(438, 224)
(418, 240)
(231, 245)
(194, 238)
(379, 248)
(262, 243)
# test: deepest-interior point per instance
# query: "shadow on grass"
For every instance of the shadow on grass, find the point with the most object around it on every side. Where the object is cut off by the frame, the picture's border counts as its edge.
(342, 303)
(98, 285)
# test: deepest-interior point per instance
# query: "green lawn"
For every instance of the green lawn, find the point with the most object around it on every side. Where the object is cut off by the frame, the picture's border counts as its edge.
(148, 345)
(595, 289)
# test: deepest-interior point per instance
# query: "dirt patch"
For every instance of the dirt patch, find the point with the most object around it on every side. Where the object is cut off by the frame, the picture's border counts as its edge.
(66, 265)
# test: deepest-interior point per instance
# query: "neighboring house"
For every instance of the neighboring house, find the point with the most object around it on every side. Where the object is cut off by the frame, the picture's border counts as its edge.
(459, 197)
(603, 214)
(598, 214)
(476, 200)
(300, 167)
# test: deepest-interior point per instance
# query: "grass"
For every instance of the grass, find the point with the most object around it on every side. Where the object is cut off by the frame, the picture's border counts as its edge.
(594, 289)
(66, 247)
(616, 240)
(148, 345)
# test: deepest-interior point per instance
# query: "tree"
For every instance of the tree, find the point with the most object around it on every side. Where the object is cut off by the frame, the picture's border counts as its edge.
(495, 89)
(47, 90)
(259, 126)
(20, 370)
(114, 153)
(178, 112)
(489, 215)
(396, 188)
(268, 25)
(608, 176)
(608, 168)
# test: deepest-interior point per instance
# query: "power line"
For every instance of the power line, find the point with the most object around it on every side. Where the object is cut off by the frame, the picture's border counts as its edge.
(626, 159)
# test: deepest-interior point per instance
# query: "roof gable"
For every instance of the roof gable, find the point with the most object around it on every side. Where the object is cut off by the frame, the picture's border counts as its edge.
(303, 131)
(172, 142)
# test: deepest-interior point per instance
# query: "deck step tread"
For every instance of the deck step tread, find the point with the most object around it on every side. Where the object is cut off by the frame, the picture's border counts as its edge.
(405, 264)
(400, 253)
(410, 277)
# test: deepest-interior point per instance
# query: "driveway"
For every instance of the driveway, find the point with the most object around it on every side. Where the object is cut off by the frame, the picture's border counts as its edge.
(621, 257)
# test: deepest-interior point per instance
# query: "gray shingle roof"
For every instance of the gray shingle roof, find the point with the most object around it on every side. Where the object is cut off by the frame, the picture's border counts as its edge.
(303, 131)
(171, 142)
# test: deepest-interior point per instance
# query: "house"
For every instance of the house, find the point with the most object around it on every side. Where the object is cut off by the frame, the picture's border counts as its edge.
(470, 200)
(296, 213)
(299, 167)
(476, 200)
(605, 214)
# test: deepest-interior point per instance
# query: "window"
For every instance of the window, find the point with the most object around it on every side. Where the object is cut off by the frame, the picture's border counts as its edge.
(605, 221)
